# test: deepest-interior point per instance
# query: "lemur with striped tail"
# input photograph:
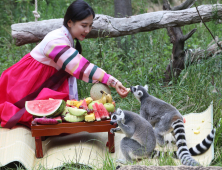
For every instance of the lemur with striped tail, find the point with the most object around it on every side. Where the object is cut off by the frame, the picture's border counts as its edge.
(139, 141)
(166, 118)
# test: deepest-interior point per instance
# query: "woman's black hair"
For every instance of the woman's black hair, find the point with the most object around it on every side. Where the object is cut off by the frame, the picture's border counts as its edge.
(77, 11)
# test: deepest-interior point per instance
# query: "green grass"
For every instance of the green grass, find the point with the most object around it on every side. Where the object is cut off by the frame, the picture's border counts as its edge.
(143, 62)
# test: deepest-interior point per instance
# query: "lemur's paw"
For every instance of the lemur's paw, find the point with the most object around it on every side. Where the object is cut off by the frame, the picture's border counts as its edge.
(122, 161)
(113, 130)
(161, 143)
(166, 142)
(173, 142)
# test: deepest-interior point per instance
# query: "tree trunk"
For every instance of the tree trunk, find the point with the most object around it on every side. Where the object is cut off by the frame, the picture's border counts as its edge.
(177, 38)
(122, 8)
(106, 26)
(180, 57)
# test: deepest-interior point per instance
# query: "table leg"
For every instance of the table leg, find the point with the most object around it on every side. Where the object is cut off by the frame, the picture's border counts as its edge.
(111, 142)
(38, 147)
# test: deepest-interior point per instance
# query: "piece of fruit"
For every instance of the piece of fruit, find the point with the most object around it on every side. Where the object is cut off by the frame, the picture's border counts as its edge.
(90, 117)
(72, 118)
(184, 120)
(102, 99)
(72, 102)
(65, 111)
(95, 90)
(102, 111)
(109, 107)
(76, 111)
(196, 132)
(108, 97)
(90, 104)
(88, 100)
(47, 121)
(96, 113)
(203, 120)
(89, 111)
(47, 108)
(84, 105)
(58, 119)
(102, 116)
(114, 103)
(79, 103)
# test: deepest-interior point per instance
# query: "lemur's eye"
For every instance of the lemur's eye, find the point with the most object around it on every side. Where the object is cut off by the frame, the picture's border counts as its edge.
(133, 89)
(114, 117)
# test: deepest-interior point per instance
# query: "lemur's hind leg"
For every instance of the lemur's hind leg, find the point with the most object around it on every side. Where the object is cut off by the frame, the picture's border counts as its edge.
(132, 149)
(160, 130)
(159, 138)
(173, 141)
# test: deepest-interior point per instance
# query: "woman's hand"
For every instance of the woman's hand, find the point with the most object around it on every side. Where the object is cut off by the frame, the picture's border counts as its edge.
(121, 90)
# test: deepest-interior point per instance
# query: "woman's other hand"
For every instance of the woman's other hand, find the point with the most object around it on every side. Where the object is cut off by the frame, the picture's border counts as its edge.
(121, 90)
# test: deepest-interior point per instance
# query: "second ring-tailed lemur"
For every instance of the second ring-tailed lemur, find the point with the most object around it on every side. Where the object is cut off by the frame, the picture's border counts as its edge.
(140, 140)
(166, 118)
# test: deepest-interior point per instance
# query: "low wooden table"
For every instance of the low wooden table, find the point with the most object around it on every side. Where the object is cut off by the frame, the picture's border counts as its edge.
(40, 131)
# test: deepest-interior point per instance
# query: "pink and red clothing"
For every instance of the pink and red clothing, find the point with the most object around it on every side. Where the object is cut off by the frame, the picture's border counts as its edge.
(54, 52)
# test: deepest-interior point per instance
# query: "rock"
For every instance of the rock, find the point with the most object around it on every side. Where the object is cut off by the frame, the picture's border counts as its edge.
(143, 167)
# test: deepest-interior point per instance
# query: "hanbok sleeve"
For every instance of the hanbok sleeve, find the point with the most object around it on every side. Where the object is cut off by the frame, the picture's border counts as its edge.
(71, 61)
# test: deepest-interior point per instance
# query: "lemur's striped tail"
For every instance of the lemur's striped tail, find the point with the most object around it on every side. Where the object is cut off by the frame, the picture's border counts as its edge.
(204, 145)
(182, 153)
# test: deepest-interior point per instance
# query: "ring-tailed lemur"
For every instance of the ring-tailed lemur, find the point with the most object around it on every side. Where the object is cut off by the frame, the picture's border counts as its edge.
(166, 118)
(140, 140)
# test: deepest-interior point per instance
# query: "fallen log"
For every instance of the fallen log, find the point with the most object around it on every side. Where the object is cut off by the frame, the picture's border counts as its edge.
(107, 26)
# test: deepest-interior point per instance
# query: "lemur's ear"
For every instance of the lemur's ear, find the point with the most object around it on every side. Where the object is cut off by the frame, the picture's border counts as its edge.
(146, 87)
(118, 111)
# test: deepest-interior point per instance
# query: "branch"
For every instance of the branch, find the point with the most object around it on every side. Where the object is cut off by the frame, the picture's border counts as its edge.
(208, 28)
(187, 36)
(106, 26)
(184, 5)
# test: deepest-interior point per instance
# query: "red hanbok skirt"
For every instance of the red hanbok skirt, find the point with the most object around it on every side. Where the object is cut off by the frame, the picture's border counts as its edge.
(21, 79)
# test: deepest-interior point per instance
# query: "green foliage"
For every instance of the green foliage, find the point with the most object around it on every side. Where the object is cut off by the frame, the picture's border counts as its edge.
(143, 61)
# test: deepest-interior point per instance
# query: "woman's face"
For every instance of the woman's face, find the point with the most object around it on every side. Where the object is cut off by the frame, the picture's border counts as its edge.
(80, 29)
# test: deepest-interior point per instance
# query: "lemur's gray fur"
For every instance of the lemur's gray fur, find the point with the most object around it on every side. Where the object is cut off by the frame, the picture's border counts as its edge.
(166, 118)
(139, 140)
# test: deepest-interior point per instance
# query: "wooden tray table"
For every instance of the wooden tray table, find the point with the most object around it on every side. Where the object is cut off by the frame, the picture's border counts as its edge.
(41, 131)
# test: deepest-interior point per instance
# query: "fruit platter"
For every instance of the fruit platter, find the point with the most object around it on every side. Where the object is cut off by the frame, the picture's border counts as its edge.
(54, 117)
(54, 111)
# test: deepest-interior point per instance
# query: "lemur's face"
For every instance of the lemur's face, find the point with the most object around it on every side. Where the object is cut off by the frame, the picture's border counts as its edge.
(116, 116)
(139, 91)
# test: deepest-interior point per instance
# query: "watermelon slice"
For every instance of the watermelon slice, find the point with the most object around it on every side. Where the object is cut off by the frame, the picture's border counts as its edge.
(84, 105)
(102, 116)
(96, 112)
(48, 108)
(102, 111)
(58, 119)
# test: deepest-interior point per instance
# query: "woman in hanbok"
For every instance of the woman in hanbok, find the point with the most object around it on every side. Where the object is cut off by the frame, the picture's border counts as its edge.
(50, 70)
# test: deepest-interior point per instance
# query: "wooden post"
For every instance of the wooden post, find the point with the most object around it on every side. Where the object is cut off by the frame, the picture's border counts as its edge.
(38, 147)
(111, 142)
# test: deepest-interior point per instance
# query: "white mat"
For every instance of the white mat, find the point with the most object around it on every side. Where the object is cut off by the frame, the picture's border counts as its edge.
(17, 144)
